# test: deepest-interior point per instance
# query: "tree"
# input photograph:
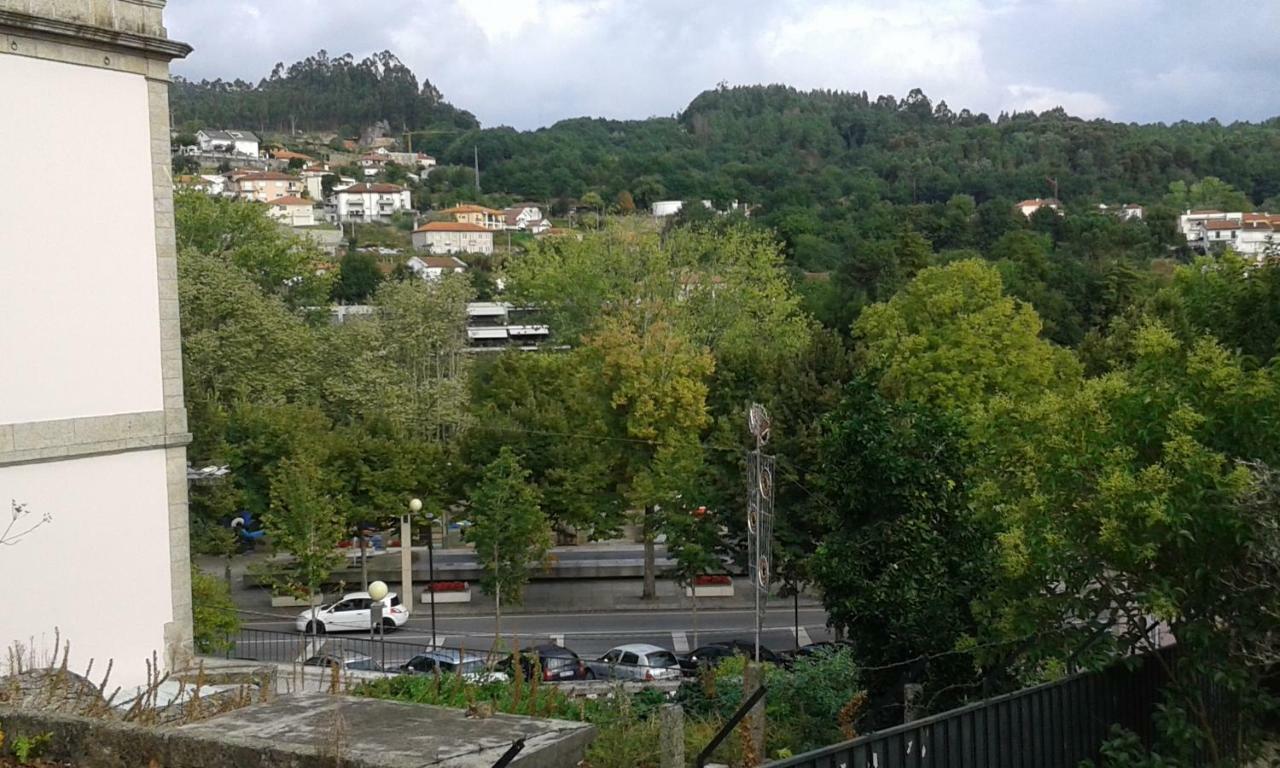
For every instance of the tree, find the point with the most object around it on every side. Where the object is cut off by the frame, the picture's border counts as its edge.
(358, 278)
(508, 529)
(593, 201)
(625, 203)
(404, 363)
(1121, 507)
(657, 383)
(952, 338)
(1210, 193)
(241, 233)
(304, 521)
(900, 558)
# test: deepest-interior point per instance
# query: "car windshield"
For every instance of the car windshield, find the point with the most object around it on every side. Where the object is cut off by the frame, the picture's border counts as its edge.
(395, 600)
(663, 659)
(362, 664)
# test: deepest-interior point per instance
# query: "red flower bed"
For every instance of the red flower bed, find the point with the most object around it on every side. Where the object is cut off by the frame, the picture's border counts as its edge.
(712, 580)
(448, 586)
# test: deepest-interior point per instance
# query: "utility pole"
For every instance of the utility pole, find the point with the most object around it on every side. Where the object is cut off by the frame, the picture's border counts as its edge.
(759, 515)
(476, 150)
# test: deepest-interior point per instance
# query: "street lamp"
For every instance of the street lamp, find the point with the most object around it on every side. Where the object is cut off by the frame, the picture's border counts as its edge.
(415, 506)
(377, 591)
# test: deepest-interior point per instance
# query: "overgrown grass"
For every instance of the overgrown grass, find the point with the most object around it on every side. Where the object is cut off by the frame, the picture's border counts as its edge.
(808, 706)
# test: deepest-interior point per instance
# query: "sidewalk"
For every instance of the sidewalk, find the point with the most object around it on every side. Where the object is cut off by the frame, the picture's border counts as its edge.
(542, 596)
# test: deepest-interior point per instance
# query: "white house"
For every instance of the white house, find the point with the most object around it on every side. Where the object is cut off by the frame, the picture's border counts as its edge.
(1189, 223)
(442, 238)
(519, 217)
(93, 426)
(1028, 208)
(232, 142)
(371, 202)
(313, 179)
(293, 211)
(432, 268)
(1253, 234)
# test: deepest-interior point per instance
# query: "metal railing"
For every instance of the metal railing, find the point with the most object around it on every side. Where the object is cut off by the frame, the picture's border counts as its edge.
(1055, 725)
(296, 648)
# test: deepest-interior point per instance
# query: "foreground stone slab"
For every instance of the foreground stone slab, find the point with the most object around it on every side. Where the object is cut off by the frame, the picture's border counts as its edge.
(308, 730)
(388, 734)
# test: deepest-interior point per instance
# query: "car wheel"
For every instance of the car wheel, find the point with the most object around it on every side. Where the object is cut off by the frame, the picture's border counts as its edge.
(591, 675)
(388, 625)
(315, 628)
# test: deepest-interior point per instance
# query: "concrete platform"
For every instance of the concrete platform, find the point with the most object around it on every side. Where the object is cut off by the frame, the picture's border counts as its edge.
(387, 734)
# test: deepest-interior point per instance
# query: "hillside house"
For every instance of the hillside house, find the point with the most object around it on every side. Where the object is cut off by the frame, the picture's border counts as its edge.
(264, 186)
(1249, 234)
(313, 179)
(519, 217)
(228, 142)
(285, 155)
(443, 238)
(478, 215)
(494, 326)
(1028, 208)
(432, 268)
(293, 211)
(371, 202)
(1190, 222)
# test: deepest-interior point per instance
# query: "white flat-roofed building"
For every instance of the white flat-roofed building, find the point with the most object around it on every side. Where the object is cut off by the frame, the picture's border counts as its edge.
(371, 202)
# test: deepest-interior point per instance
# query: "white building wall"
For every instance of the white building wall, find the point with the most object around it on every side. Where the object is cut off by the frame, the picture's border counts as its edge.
(92, 421)
(99, 572)
(87, 278)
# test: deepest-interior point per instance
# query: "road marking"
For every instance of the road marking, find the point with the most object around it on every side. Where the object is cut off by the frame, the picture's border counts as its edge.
(802, 636)
(557, 640)
(680, 642)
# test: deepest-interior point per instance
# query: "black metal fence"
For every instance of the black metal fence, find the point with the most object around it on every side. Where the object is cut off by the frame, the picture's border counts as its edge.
(389, 654)
(1056, 725)
(287, 647)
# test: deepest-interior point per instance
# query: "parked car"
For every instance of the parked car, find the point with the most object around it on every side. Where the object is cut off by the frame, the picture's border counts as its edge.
(352, 614)
(553, 662)
(637, 661)
(452, 661)
(819, 648)
(711, 654)
(343, 659)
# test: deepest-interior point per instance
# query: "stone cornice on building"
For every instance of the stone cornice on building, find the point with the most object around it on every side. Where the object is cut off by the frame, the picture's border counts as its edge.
(129, 26)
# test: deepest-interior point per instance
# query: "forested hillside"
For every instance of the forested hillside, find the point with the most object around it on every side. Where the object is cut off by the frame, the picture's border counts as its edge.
(319, 93)
(785, 150)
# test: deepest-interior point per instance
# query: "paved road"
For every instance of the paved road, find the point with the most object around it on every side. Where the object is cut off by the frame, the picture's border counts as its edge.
(591, 634)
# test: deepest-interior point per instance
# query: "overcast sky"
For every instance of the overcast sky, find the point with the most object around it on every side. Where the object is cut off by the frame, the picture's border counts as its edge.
(529, 63)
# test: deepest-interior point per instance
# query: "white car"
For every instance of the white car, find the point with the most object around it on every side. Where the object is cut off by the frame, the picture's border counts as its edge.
(637, 661)
(352, 614)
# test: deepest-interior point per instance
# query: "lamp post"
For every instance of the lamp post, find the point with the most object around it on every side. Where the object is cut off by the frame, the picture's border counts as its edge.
(415, 506)
(377, 591)
(406, 558)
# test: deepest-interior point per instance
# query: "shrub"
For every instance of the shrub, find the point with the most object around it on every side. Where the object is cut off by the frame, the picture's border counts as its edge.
(213, 613)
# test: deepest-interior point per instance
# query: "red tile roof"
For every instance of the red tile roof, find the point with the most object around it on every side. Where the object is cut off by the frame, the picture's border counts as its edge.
(470, 208)
(292, 200)
(267, 176)
(381, 189)
(1222, 224)
(451, 226)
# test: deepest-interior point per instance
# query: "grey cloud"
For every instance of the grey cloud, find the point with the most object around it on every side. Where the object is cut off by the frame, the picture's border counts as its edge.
(1142, 60)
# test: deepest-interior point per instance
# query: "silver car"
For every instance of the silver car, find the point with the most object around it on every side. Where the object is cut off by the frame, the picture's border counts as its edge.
(637, 661)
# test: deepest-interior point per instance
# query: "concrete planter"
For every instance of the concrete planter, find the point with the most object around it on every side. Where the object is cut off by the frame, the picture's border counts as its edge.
(710, 590)
(447, 597)
(292, 601)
